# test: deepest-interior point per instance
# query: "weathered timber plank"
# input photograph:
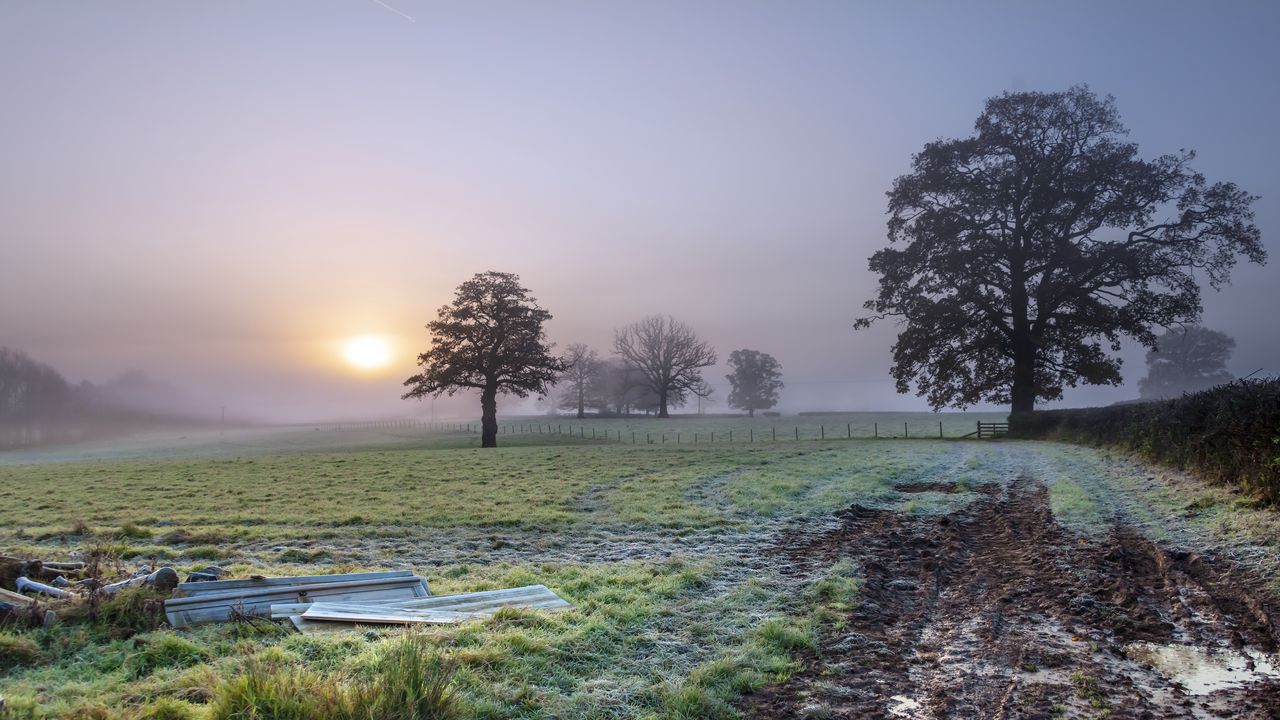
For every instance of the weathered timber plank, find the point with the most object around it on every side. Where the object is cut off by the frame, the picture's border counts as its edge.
(376, 615)
(222, 606)
(191, 589)
(532, 597)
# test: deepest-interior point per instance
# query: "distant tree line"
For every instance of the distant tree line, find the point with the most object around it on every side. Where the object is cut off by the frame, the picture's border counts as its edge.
(491, 339)
(39, 406)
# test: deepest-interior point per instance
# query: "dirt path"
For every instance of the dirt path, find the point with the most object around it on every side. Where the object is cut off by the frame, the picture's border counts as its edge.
(999, 612)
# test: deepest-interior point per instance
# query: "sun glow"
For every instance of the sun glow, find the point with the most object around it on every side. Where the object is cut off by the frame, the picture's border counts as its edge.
(367, 352)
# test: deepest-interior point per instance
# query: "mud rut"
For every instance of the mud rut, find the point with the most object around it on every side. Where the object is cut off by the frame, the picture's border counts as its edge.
(999, 612)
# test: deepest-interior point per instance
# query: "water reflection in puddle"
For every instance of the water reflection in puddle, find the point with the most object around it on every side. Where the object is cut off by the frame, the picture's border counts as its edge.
(1201, 670)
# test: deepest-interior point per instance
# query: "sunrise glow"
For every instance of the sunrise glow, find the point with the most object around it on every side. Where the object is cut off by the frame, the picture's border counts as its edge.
(368, 352)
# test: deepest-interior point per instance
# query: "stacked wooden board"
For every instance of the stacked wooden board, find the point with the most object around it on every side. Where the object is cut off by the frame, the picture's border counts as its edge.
(329, 614)
(223, 600)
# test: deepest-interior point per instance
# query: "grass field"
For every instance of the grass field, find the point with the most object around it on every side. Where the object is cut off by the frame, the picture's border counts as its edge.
(681, 606)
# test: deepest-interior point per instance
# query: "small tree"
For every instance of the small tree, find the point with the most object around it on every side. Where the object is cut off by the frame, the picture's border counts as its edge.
(581, 378)
(756, 378)
(668, 355)
(1021, 256)
(1186, 360)
(490, 338)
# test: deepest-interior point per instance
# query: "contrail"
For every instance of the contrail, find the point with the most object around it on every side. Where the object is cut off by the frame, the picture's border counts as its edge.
(406, 16)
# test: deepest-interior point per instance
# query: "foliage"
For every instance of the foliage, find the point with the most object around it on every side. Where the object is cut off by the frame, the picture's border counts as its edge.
(668, 355)
(1227, 434)
(491, 339)
(756, 378)
(1186, 359)
(1021, 254)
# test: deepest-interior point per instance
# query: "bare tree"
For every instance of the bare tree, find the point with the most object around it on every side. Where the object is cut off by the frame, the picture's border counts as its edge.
(668, 355)
(489, 339)
(580, 378)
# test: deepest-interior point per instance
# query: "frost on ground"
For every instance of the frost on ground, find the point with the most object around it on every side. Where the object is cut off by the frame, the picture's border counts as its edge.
(1002, 610)
(914, 579)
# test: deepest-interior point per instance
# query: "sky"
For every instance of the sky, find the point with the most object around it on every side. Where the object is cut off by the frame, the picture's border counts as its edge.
(220, 193)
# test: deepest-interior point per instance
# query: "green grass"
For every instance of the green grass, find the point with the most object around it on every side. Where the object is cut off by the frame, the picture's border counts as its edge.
(679, 608)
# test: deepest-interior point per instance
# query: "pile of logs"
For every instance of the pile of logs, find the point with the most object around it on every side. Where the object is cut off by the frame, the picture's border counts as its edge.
(26, 584)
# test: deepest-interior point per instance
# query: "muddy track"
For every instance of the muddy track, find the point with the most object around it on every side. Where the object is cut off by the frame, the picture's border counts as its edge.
(999, 612)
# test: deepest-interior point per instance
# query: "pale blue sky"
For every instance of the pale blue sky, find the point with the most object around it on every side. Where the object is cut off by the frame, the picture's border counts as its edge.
(217, 191)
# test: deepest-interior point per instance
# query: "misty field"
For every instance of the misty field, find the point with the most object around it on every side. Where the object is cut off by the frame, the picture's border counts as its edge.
(690, 600)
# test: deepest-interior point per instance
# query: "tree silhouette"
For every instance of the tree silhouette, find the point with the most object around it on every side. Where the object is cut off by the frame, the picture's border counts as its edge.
(1020, 255)
(491, 339)
(581, 379)
(1186, 359)
(668, 356)
(756, 378)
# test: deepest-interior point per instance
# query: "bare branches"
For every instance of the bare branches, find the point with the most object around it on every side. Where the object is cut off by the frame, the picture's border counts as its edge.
(667, 354)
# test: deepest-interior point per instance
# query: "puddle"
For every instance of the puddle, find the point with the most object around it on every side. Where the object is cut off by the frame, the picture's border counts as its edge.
(1201, 670)
(903, 706)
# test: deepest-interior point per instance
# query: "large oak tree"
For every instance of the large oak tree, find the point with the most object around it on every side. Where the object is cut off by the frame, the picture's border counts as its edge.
(491, 339)
(756, 378)
(1022, 255)
(1186, 359)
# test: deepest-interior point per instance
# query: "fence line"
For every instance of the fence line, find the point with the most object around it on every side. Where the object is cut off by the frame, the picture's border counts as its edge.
(676, 437)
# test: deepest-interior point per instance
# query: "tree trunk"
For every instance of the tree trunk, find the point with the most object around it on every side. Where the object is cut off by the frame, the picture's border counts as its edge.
(581, 404)
(1023, 392)
(489, 417)
(662, 404)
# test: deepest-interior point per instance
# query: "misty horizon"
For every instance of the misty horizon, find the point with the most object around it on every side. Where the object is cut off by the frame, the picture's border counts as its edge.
(221, 196)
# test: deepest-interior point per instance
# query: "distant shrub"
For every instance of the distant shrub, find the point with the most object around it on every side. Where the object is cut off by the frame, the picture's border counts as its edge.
(1229, 434)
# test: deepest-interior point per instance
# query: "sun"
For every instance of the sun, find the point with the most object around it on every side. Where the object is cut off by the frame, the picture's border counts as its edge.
(368, 352)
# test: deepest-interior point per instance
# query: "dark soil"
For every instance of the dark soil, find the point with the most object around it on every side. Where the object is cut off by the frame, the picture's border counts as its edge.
(999, 612)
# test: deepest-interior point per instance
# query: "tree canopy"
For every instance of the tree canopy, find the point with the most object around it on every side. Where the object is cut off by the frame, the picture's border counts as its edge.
(1021, 256)
(491, 339)
(668, 355)
(1186, 359)
(756, 378)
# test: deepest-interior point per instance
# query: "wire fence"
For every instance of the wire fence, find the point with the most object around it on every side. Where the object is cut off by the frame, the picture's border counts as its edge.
(696, 431)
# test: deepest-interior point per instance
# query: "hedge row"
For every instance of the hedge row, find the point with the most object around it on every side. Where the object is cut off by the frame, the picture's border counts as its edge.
(1229, 434)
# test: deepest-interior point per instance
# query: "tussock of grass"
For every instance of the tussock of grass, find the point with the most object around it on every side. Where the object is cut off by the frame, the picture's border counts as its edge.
(170, 709)
(162, 650)
(17, 651)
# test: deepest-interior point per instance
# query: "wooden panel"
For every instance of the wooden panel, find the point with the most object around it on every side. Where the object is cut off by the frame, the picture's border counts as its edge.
(380, 615)
(191, 589)
(312, 627)
(534, 597)
(436, 609)
(221, 606)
